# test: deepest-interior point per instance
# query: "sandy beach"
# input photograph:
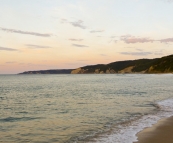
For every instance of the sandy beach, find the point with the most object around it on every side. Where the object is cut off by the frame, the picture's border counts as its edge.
(162, 132)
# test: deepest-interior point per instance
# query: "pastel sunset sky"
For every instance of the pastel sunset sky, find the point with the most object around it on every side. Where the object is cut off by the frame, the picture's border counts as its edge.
(65, 34)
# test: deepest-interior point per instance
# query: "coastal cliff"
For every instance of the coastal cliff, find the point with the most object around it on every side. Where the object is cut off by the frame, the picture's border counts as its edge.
(157, 65)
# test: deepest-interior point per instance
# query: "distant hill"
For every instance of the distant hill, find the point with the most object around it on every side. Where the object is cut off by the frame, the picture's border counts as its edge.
(158, 65)
(61, 71)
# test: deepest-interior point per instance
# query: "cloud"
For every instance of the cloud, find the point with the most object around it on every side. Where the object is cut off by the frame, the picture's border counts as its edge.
(11, 62)
(126, 36)
(104, 55)
(78, 23)
(139, 49)
(25, 32)
(133, 40)
(77, 45)
(136, 53)
(76, 40)
(37, 46)
(129, 39)
(21, 63)
(166, 40)
(7, 49)
(64, 20)
(113, 36)
(96, 31)
(115, 41)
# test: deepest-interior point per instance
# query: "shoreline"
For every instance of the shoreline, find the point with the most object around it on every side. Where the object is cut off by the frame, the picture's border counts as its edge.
(150, 128)
(160, 132)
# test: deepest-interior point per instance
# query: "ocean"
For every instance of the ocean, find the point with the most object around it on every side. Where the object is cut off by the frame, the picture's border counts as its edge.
(107, 108)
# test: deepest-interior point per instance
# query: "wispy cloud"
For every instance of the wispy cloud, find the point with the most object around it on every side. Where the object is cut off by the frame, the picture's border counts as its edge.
(136, 53)
(113, 37)
(126, 36)
(11, 62)
(25, 32)
(166, 40)
(139, 49)
(77, 45)
(64, 20)
(76, 40)
(115, 41)
(130, 39)
(104, 55)
(96, 31)
(37, 46)
(78, 23)
(7, 49)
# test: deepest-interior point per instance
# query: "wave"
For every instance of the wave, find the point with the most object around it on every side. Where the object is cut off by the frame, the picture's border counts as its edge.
(126, 132)
(15, 119)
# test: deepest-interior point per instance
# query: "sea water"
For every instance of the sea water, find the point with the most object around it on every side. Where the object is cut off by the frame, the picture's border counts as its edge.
(82, 108)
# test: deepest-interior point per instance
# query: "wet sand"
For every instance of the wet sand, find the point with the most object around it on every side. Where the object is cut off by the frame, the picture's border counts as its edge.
(162, 132)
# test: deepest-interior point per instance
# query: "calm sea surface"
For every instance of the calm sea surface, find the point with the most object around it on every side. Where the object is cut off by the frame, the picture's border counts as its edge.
(76, 108)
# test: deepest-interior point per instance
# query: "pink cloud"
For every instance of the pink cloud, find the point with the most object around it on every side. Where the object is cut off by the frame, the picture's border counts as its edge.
(133, 40)
(166, 40)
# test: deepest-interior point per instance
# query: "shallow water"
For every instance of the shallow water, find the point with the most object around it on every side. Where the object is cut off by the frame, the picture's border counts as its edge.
(75, 108)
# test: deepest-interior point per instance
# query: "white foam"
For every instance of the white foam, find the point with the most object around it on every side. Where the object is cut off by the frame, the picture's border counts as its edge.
(127, 134)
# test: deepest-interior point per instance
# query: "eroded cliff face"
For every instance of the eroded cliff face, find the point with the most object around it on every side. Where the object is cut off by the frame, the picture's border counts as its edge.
(153, 69)
(97, 71)
(78, 71)
(108, 71)
(127, 70)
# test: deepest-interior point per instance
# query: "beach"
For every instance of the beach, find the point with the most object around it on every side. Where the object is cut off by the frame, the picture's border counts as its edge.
(161, 132)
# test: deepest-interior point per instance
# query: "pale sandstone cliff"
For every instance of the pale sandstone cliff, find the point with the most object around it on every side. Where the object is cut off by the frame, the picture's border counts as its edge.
(126, 70)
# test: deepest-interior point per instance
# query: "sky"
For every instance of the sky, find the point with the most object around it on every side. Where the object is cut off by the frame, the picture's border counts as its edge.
(67, 34)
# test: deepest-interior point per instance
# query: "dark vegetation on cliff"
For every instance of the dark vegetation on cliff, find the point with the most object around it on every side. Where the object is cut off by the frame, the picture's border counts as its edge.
(162, 65)
(139, 65)
(158, 65)
(63, 71)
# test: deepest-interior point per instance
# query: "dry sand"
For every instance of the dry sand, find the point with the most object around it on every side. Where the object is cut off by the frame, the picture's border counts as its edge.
(162, 132)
